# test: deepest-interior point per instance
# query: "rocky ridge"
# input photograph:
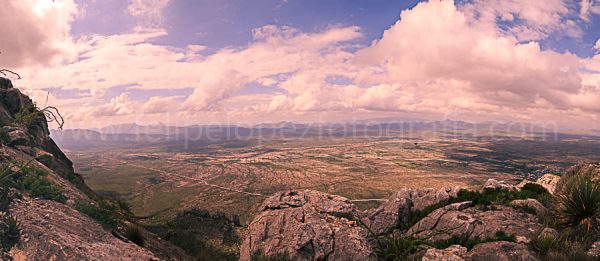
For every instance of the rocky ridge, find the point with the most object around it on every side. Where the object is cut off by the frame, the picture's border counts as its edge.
(43, 194)
(311, 225)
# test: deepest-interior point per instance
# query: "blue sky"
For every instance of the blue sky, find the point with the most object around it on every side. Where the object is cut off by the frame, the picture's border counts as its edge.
(223, 23)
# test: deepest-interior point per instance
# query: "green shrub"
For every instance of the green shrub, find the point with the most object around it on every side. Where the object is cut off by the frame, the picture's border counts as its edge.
(417, 215)
(569, 250)
(135, 234)
(544, 244)
(41, 187)
(34, 180)
(399, 247)
(11, 232)
(491, 196)
(29, 116)
(104, 211)
(31, 179)
(577, 204)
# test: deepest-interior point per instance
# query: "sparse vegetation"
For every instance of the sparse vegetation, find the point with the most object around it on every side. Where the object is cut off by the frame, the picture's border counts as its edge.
(106, 212)
(197, 230)
(469, 241)
(10, 232)
(258, 255)
(399, 247)
(485, 199)
(32, 116)
(28, 177)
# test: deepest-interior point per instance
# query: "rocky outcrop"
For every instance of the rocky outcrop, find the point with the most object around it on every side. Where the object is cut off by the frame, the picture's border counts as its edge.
(307, 225)
(495, 184)
(452, 253)
(463, 219)
(530, 203)
(548, 181)
(55, 230)
(497, 251)
(501, 251)
(396, 211)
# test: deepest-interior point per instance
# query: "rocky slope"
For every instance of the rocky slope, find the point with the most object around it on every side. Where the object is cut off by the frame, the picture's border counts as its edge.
(501, 222)
(41, 197)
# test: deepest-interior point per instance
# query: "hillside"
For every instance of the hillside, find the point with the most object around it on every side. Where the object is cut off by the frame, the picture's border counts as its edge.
(48, 212)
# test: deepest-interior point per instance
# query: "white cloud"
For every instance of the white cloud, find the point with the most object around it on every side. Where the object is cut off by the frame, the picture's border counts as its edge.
(497, 69)
(149, 12)
(35, 32)
(158, 104)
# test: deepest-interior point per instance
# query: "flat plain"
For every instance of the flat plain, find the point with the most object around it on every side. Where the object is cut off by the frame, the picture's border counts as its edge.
(235, 177)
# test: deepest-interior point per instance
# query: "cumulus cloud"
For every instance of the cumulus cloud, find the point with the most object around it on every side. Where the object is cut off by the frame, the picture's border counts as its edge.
(158, 104)
(497, 69)
(35, 32)
(523, 19)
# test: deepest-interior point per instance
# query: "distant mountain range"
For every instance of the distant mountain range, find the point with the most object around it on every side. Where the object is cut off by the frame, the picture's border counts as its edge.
(141, 135)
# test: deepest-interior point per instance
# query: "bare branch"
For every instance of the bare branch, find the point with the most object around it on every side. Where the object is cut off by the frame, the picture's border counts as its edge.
(53, 115)
(4, 71)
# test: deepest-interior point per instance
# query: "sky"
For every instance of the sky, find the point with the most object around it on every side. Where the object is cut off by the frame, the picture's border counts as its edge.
(184, 62)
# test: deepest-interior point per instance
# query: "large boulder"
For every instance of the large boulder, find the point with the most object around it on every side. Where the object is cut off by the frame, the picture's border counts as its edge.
(395, 213)
(501, 251)
(495, 184)
(548, 181)
(307, 225)
(462, 219)
(530, 203)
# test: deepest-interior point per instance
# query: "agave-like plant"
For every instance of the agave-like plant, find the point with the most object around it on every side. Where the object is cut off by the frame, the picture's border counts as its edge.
(577, 204)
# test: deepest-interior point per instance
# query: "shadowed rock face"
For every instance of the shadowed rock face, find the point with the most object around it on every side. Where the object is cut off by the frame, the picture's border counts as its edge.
(307, 225)
(395, 213)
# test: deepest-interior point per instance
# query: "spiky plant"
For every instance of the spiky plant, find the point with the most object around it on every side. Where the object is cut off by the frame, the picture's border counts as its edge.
(134, 234)
(577, 204)
(544, 244)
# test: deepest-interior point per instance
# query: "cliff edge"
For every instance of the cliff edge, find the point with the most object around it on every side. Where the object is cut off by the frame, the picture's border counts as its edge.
(46, 210)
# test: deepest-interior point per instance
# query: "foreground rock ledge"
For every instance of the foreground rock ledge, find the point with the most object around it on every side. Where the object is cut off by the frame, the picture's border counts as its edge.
(307, 225)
